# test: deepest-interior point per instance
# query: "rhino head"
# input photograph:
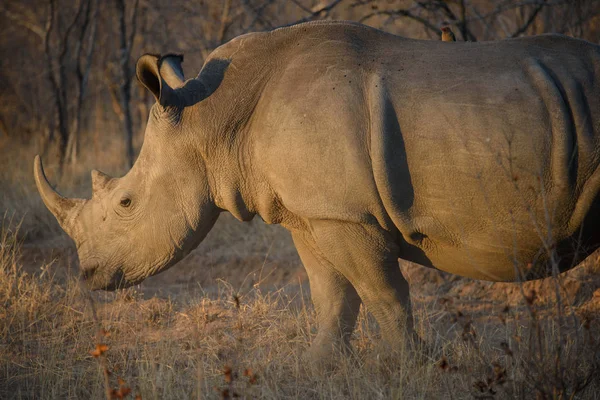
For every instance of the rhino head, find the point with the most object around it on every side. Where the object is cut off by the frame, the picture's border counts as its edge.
(144, 222)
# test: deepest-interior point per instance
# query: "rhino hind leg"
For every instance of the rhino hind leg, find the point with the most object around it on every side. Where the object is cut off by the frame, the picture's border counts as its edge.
(368, 257)
(335, 300)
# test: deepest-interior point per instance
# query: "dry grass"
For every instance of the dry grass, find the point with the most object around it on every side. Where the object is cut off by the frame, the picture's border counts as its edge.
(215, 345)
(235, 318)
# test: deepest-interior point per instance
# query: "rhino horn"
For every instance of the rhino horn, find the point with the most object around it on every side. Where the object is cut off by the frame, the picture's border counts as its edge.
(99, 181)
(58, 205)
(164, 77)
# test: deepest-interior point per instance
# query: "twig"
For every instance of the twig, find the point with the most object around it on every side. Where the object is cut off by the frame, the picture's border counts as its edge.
(24, 23)
(224, 21)
(403, 13)
(322, 12)
(529, 21)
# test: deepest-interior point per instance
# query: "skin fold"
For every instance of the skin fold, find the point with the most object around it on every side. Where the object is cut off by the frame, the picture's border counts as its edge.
(479, 159)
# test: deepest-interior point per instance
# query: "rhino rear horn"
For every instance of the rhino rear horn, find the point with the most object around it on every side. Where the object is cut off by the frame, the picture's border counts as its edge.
(58, 205)
(164, 77)
(99, 181)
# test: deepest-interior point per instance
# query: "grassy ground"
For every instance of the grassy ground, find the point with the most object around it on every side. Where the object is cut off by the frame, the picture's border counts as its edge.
(234, 318)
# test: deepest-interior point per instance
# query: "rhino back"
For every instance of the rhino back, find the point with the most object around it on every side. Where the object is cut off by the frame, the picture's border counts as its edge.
(478, 154)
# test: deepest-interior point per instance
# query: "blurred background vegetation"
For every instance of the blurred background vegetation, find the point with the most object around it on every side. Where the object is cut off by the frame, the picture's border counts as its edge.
(67, 72)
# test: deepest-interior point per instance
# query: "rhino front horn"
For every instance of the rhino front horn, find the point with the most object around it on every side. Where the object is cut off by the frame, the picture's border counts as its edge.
(58, 205)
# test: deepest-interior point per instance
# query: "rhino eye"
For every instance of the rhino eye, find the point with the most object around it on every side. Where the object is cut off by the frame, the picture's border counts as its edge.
(125, 202)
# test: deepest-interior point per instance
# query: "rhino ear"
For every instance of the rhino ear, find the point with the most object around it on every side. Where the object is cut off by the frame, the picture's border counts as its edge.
(99, 181)
(148, 74)
(161, 75)
(171, 71)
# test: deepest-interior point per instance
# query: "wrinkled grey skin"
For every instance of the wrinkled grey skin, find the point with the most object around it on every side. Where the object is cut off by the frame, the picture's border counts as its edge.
(479, 159)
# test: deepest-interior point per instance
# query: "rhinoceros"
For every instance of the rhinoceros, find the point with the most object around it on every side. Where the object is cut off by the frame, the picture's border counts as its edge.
(479, 159)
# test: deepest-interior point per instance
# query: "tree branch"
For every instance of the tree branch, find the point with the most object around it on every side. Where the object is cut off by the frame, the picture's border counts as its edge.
(24, 23)
(403, 13)
(529, 21)
(224, 21)
(301, 6)
(322, 12)
(257, 15)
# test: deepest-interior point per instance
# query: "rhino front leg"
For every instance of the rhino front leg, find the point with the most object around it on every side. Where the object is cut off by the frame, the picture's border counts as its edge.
(336, 302)
(367, 256)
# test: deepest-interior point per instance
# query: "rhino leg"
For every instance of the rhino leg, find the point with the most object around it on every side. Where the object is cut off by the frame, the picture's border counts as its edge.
(336, 302)
(367, 256)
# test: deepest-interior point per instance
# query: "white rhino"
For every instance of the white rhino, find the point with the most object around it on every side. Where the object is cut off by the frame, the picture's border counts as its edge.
(479, 159)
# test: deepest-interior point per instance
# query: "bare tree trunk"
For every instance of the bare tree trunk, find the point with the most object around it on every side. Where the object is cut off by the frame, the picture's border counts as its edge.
(82, 72)
(60, 111)
(126, 43)
(3, 129)
(58, 81)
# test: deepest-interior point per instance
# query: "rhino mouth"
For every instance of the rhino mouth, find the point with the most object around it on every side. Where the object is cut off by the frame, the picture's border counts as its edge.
(96, 281)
